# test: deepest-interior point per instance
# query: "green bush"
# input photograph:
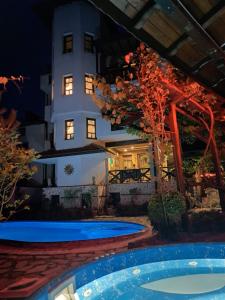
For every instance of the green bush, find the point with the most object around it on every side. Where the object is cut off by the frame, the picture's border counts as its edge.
(165, 213)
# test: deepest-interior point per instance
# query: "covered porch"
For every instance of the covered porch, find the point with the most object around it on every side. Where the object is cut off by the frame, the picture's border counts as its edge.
(133, 163)
(129, 163)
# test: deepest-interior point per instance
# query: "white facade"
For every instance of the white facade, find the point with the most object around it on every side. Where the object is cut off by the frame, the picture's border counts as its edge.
(74, 106)
(88, 169)
(77, 19)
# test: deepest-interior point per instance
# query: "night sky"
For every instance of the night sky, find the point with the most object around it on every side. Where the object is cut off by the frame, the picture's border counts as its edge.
(25, 50)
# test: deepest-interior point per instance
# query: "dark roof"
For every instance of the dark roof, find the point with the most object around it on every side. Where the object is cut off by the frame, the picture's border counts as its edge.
(124, 143)
(89, 149)
(189, 33)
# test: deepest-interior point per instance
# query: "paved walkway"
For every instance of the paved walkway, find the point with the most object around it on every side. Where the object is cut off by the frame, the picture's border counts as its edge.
(16, 269)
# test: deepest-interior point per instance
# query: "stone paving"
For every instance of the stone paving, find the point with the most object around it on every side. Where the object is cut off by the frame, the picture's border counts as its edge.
(23, 272)
(14, 268)
(17, 267)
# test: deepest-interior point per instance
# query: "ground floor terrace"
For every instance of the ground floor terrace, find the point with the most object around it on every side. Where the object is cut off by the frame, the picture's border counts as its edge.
(101, 163)
(23, 271)
(121, 172)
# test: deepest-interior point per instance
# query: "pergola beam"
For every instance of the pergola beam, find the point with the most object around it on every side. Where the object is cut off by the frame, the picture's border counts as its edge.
(214, 151)
(176, 147)
(145, 9)
(219, 177)
(184, 10)
(205, 21)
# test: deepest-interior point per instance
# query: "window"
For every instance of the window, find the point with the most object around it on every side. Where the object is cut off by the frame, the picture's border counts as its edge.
(91, 128)
(68, 85)
(67, 43)
(89, 88)
(127, 162)
(88, 42)
(69, 129)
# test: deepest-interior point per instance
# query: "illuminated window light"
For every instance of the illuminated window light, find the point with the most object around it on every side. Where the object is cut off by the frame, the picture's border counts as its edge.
(68, 85)
(69, 129)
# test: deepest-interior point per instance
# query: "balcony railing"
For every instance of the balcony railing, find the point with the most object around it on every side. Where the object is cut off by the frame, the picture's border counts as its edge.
(129, 175)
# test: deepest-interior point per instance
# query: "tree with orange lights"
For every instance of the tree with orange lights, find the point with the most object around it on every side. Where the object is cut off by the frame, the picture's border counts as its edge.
(14, 159)
(148, 103)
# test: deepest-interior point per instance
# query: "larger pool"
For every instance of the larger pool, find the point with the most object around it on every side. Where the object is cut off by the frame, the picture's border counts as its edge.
(187, 271)
(65, 231)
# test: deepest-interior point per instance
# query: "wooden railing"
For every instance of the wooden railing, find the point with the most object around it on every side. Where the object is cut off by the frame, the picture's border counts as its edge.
(129, 175)
(168, 173)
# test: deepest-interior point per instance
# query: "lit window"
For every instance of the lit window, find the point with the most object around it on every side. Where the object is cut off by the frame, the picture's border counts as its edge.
(68, 85)
(69, 129)
(67, 43)
(89, 88)
(88, 42)
(91, 128)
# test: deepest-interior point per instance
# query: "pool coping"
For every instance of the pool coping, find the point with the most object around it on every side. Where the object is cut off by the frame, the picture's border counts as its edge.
(86, 252)
(56, 281)
(82, 246)
(76, 261)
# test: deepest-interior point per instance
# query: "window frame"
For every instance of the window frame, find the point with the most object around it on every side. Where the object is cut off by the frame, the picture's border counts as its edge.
(65, 77)
(66, 134)
(65, 49)
(87, 127)
(87, 75)
(90, 48)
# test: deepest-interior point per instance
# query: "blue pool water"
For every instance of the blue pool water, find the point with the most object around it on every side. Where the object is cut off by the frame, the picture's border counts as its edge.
(176, 272)
(65, 231)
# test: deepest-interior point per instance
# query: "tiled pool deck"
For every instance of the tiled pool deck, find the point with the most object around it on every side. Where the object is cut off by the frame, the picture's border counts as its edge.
(19, 264)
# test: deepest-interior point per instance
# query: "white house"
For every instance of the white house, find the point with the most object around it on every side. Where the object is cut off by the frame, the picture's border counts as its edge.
(88, 154)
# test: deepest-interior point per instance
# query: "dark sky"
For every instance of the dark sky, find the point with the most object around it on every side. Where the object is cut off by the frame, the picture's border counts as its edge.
(25, 50)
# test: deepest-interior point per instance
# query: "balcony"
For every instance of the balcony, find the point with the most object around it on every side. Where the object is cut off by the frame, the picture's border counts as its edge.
(129, 175)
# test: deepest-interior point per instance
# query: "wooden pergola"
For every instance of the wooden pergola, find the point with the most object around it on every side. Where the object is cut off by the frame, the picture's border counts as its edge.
(176, 106)
(190, 34)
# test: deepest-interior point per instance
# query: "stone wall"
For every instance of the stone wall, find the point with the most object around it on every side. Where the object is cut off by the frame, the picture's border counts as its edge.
(133, 193)
(137, 193)
(71, 196)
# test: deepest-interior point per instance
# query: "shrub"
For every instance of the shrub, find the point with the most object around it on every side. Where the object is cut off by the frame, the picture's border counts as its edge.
(165, 213)
(15, 165)
(86, 199)
(207, 220)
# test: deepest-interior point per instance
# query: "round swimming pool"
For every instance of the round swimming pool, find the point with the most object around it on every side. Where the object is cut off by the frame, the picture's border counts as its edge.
(65, 231)
(187, 271)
